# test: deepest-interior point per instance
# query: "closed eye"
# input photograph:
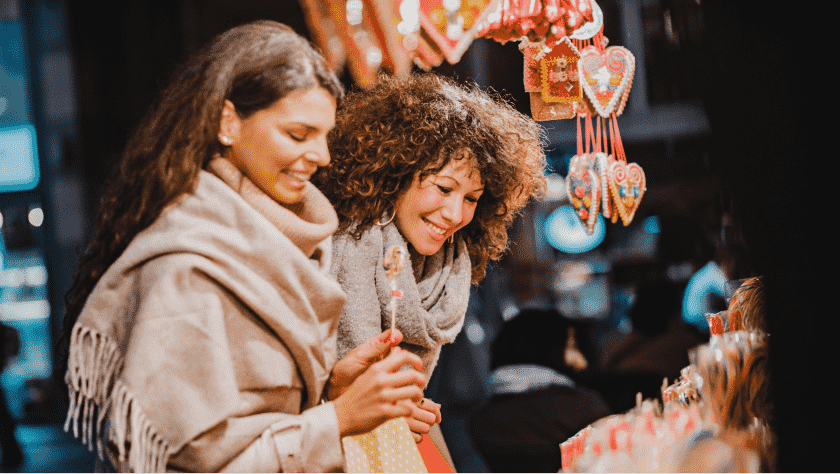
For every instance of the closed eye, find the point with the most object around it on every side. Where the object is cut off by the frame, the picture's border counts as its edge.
(444, 189)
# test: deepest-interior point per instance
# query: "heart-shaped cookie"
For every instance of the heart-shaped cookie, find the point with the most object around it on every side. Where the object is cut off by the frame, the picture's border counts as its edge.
(627, 186)
(602, 166)
(605, 78)
(584, 189)
(452, 30)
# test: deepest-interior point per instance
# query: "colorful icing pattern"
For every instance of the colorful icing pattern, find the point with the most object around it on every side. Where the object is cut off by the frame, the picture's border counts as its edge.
(584, 189)
(627, 186)
(606, 78)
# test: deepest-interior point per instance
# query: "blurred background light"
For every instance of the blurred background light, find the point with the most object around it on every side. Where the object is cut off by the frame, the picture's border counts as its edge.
(36, 216)
(703, 286)
(651, 225)
(564, 231)
(475, 333)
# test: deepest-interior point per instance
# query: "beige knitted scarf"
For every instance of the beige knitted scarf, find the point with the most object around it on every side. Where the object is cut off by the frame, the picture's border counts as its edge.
(218, 233)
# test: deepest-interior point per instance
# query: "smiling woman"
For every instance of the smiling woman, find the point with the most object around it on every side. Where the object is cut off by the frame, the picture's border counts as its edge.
(440, 169)
(281, 146)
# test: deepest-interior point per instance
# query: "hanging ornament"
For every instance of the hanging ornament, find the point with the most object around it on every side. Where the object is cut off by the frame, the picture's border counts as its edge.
(606, 77)
(325, 32)
(602, 165)
(452, 24)
(627, 186)
(584, 189)
(559, 73)
(540, 109)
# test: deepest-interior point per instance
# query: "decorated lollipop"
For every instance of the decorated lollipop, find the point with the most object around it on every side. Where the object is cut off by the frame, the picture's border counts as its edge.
(393, 264)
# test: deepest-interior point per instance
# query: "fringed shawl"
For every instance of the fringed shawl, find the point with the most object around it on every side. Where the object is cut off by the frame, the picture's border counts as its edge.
(162, 375)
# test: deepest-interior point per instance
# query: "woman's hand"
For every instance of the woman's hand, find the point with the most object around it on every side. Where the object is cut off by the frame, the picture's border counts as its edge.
(380, 392)
(423, 416)
(356, 361)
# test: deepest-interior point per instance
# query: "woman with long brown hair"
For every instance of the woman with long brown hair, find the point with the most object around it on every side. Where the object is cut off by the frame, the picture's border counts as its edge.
(440, 169)
(201, 327)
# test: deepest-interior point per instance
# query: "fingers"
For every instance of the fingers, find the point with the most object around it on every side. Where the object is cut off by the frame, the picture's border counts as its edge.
(398, 358)
(421, 415)
(376, 347)
(421, 421)
(432, 408)
(407, 395)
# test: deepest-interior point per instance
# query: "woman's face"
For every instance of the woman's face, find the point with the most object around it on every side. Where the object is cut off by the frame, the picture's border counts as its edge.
(433, 209)
(281, 146)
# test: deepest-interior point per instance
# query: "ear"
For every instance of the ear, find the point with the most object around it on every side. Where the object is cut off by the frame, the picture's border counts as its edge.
(229, 125)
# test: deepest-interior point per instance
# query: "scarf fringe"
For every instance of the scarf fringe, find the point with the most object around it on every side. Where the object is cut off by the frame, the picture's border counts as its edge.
(92, 378)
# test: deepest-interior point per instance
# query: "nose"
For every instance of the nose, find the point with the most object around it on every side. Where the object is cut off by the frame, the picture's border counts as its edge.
(453, 209)
(318, 154)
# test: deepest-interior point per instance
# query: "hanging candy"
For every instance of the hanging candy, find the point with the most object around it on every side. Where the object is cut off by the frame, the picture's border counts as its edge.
(606, 76)
(451, 25)
(559, 76)
(393, 262)
(584, 190)
(627, 186)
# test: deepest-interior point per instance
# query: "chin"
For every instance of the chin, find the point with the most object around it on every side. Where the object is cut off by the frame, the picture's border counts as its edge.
(428, 250)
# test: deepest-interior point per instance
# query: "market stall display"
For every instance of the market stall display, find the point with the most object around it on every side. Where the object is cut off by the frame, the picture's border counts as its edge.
(715, 417)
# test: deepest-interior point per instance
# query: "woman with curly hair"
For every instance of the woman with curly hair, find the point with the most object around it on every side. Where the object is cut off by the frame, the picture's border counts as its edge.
(202, 323)
(440, 169)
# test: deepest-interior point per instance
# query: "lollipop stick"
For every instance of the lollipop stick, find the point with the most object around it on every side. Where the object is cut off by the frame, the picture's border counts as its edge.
(393, 263)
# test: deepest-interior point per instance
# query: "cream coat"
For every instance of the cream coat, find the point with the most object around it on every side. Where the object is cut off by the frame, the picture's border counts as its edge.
(207, 344)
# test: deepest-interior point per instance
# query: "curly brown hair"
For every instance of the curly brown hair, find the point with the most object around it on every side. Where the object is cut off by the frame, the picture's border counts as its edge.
(414, 126)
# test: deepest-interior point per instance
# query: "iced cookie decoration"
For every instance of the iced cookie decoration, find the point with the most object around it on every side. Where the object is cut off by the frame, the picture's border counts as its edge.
(584, 189)
(627, 186)
(602, 166)
(606, 76)
(559, 73)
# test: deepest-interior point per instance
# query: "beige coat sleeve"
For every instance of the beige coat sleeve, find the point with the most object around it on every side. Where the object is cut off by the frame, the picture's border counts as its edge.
(308, 442)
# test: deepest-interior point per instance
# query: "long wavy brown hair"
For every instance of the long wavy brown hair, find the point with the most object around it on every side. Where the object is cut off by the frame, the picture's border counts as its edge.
(405, 127)
(252, 65)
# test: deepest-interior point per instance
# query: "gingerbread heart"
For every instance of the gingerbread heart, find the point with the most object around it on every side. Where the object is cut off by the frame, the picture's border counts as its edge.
(584, 189)
(606, 77)
(627, 186)
(452, 26)
(602, 165)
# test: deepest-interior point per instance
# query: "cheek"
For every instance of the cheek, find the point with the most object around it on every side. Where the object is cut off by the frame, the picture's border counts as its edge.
(469, 213)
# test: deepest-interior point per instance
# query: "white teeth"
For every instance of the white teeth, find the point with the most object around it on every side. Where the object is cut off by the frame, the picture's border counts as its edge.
(435, 228)
(298, 176)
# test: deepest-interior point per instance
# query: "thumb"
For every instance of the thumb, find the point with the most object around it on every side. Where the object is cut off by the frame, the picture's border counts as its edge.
(377, 346)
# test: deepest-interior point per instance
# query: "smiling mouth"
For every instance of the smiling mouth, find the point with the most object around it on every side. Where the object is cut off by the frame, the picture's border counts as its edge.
(303, 177)
(435, 228)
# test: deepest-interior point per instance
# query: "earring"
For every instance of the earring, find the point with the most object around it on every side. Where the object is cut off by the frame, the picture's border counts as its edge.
(388, 220)
(451, 239)
(226, 140)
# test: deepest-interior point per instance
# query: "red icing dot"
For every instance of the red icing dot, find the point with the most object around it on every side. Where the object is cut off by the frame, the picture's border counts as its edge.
(579, 192)
(583, 213)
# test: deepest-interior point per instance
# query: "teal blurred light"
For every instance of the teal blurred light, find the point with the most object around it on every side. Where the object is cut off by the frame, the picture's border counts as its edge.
(564, 231)
(651, 225)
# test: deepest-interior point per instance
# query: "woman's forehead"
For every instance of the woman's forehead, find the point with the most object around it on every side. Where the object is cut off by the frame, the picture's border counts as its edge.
(460, 168)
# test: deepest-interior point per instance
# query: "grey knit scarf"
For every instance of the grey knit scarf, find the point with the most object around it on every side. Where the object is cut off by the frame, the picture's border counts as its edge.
(435, 292)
